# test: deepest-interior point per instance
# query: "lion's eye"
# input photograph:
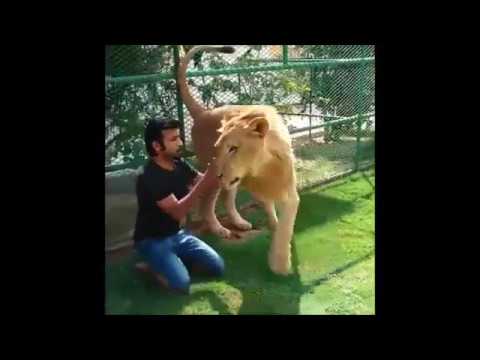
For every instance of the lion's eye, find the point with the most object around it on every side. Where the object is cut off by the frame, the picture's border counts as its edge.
(233, 149)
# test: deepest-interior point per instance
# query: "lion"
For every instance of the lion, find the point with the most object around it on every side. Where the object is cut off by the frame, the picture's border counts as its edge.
(252, 148)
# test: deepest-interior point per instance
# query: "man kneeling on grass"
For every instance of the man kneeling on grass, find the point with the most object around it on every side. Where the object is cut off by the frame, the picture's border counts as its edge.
(166, 191)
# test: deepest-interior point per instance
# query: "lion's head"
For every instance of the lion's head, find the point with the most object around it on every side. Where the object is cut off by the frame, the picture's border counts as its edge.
(240, 147)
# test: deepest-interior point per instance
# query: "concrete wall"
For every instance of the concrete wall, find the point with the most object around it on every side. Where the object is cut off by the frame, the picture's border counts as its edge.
(120, 207)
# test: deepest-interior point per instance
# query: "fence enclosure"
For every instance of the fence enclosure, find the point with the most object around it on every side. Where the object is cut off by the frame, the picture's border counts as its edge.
(324, 92)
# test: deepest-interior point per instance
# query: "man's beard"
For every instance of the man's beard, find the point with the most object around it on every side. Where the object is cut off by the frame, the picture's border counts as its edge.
(176, 154)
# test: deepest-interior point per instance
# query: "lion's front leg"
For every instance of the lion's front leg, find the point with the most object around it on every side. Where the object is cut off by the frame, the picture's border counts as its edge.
(279, 257)
(208, 204)
(269, 207)
(232, 213)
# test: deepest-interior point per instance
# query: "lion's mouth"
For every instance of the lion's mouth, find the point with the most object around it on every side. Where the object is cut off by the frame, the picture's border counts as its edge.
(237, 179)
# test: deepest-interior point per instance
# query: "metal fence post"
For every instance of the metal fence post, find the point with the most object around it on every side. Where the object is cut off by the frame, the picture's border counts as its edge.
(360, 89)
(310, 105)
(285, 54)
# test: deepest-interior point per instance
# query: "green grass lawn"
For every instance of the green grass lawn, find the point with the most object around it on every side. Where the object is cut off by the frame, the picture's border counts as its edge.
(332, 255)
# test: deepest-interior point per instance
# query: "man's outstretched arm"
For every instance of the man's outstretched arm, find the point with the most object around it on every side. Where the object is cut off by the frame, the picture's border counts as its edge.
(178, 209)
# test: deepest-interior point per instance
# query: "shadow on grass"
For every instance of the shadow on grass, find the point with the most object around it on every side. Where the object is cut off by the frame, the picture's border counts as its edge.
(336, 271)
(368, 180)
(263, 292)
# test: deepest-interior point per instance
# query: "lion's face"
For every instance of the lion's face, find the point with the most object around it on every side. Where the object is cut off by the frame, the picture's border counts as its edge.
(238, 149)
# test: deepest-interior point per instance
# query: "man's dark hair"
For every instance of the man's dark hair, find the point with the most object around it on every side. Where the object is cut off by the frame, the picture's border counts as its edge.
(153, 132)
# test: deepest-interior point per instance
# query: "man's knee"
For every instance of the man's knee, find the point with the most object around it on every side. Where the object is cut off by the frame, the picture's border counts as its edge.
(213, 267)
(218, 267)
(181, 285)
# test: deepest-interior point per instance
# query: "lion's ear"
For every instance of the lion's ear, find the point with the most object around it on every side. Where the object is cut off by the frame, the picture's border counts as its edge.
(259, 126)
(223, 123)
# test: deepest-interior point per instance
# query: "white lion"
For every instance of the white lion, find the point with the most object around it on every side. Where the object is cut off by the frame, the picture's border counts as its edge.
(253, 149)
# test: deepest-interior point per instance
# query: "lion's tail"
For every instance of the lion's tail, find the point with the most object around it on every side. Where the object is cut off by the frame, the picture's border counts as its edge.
(192, 105)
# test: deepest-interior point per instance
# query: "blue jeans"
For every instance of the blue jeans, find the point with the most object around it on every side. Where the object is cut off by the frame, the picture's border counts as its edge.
(170, 257)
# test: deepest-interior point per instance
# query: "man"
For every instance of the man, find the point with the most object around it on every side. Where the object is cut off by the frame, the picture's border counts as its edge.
(166, 191)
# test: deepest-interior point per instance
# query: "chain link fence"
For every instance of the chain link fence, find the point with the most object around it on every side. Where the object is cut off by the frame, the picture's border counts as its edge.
(326, 94)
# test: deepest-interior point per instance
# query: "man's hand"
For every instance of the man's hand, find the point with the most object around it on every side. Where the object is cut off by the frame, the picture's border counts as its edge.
(178, 209)
(210, 179)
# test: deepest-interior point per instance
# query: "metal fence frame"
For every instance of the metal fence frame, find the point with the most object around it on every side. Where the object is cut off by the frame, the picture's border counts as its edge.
(284, 64)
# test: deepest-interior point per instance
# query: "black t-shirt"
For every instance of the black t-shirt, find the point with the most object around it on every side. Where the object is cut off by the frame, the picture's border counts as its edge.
(154, 184)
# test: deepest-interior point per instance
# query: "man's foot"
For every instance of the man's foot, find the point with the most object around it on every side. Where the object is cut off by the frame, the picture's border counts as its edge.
(142, 267)
(145, 269)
